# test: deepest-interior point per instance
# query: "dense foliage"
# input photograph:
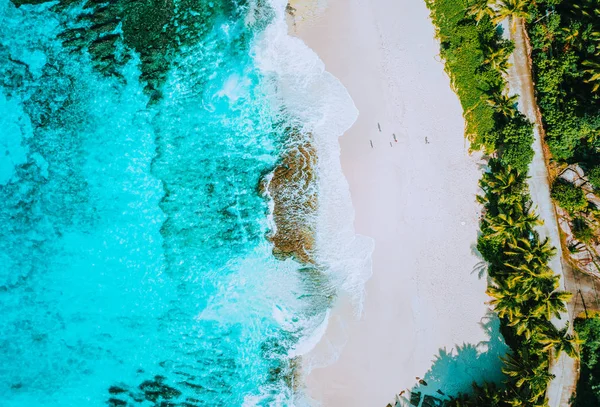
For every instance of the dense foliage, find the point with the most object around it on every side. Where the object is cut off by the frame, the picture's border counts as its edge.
(588, 388)
(524, 291)
(582, 230)
(475, 57)
(566, 60)
(569, 197)
(464, 49)
(523, 288)
(594, 177)
(566, 57)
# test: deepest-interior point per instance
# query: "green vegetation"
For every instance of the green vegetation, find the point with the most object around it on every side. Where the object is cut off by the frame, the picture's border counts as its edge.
(582, 230)
(566, 59)
(511, 9)
(475, 57)
(588, 387)
(517, 138)
(569, 197)
(565, 43)
(523, 288)
(594, 177)
(524, 291)
(465, 47)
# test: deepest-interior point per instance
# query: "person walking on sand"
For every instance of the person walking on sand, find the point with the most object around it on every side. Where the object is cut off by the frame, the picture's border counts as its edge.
(426, 140)
(379, 127)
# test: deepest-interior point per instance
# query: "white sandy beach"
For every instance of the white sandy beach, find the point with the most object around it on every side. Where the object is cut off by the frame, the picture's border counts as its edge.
(416, 199)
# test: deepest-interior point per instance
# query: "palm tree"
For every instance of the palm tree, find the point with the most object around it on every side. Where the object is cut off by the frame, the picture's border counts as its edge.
(510, 9)
(535, 253)
(524, 397)
(530, 284)
(562, 341)
(527, 369)
(593, 70)
(513, 225)
(481, 8)
(505, 302)
(503, 183)
(573, 36)
(493, 84)
(497, 59)
(504, 104)
(487, 395)
(525, 326)
(527, 266)
(552, 305)
(462, 400)
(595, 37)
(583, 8)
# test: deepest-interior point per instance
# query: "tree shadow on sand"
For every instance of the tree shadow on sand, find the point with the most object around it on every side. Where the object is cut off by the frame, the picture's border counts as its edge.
(455, 370)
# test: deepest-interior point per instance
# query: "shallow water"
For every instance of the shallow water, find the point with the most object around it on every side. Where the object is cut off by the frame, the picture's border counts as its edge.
(133, 243)
(135, 267)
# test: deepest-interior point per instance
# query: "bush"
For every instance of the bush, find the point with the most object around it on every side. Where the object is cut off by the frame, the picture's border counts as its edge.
(582, 231)
(588, 387)
(594, 177)
(490, 248)
(517, 137)
(517, 155)
(569, 197)
(464, 43)
(562, 39)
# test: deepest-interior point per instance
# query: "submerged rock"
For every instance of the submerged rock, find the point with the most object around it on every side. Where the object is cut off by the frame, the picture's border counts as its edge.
(293, 189)
(155, 389)
(116, 390)
(155, 29)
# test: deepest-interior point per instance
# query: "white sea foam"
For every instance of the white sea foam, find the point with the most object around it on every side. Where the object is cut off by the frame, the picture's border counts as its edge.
(318, 105)
(317, 326)
(271, 203)
(321, 106)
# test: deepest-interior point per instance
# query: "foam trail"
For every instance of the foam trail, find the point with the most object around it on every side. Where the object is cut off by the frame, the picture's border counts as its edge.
(317, 103)
(323, 107)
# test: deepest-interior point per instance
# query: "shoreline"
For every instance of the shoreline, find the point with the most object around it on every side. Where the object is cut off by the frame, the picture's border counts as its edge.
(425, 297)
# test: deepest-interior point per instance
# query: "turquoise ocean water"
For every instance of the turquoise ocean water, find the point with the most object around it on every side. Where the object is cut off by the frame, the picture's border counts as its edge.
(134, 267)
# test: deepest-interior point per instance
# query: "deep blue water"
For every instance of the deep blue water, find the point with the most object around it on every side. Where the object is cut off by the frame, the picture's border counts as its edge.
(134, 268)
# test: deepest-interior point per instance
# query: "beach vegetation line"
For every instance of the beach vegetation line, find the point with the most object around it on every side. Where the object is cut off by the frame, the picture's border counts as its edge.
(524, 290)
